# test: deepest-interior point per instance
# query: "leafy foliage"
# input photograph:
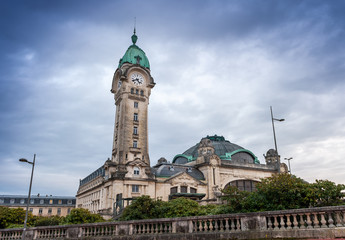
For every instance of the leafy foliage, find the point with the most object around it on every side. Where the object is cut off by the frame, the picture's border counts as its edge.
(48, 221)
(283, 191)
(80, 215)
(13, 216)
(146, 208)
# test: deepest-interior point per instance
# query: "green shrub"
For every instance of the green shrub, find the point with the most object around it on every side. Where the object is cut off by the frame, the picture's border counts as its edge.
(80, 215)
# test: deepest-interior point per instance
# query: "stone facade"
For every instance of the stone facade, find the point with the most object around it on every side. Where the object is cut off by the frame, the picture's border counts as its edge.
(198, 173)
(40, 205)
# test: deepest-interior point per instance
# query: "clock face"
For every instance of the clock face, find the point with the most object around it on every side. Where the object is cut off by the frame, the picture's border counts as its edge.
(137, 79)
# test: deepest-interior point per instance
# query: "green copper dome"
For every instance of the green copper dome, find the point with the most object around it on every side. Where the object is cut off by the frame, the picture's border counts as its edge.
(135, 55)
(223, 148)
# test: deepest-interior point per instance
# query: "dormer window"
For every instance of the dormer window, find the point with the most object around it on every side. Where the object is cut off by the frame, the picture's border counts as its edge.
(136, 171)
(171, 168)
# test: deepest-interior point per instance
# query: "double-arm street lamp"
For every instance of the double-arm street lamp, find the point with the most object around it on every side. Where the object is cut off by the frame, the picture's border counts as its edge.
(274, 135)
(27, 205)
(288, 159)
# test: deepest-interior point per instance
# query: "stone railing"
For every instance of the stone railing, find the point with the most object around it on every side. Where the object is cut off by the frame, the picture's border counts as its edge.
(325, 222)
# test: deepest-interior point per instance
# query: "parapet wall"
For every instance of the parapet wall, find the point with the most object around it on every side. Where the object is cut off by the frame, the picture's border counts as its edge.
(310, 223)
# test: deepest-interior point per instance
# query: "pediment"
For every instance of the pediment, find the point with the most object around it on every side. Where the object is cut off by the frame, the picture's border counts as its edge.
(137, 162)
(183, 178)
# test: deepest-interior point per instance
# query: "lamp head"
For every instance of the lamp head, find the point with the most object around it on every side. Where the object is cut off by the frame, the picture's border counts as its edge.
(23, 160)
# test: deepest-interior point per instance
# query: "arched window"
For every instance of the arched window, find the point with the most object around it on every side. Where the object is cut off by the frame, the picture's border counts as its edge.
(142, 93)
(243, 185)
(136, 171)
(132, 90)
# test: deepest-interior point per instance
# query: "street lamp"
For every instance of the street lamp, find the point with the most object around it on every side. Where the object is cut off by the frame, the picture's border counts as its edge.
(288, 159)
(274, 135)
(27, 205)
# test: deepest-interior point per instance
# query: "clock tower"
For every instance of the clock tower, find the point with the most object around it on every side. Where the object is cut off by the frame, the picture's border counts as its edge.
(131, 86)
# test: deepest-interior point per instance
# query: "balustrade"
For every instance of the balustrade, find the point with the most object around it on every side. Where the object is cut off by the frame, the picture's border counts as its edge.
(274, 221)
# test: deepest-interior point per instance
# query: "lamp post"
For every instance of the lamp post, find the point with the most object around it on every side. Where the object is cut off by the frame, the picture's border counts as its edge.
(28, 203)
(288, 159)
(274, 135)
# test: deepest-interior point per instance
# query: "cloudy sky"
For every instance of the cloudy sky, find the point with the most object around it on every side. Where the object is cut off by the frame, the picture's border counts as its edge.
(218, 65)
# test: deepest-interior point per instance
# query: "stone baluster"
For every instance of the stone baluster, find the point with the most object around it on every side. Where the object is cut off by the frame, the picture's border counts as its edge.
(269, 223)
(221, 225)
(330, 220)
(338, 219)
(227, 224)
(323, 220)
(294, 221)
(282, 222)
(210, 225)
(232, 225)
(275, 224)
(316, 220)
(308, 221)
(238, 224)
(288, 221)
(303, 221)
(216, 227)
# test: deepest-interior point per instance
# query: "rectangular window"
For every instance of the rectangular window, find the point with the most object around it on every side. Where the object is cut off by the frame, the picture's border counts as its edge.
(135, 144)
(135, 117)
(137, 91)
(136, 171)
(68, 211)
(192, 190)
(135, 188)
(59, 211)
(135, 104)
(60, 202)
(50, 211)
(31, 210)
(51, 201)
(40, 211)
(183, 189)
(135, 130)
(173, 190)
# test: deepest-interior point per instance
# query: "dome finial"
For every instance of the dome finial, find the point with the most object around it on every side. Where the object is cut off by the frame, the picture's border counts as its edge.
(134, 37)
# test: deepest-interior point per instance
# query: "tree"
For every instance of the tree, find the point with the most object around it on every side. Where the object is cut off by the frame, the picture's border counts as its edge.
(327, 193)
(81, 215)
(13, 216)
(181, 207)
(143, 208)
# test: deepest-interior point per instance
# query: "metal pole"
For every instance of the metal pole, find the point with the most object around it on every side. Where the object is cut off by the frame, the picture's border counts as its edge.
(29, 195)
(275, 140)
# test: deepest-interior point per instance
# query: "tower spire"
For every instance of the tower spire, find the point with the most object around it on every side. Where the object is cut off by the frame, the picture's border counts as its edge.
(134, 36)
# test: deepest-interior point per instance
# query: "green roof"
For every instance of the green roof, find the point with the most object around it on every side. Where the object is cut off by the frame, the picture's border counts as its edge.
(135, 55)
